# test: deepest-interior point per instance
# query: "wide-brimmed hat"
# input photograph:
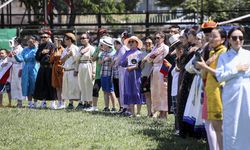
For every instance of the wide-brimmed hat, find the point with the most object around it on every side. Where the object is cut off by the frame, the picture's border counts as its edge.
(107, 41)
(71, 35)
(174, 39)
(135, 38)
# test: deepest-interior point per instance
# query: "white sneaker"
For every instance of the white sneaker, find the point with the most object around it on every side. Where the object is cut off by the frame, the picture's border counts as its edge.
(92, 109)
(61, 106)
(30, 105)
(52, 105)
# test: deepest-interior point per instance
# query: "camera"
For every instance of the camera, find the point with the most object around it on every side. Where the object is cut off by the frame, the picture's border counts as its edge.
(197, 57)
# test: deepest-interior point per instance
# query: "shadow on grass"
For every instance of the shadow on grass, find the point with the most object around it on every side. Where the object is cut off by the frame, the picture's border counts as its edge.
(161, 131)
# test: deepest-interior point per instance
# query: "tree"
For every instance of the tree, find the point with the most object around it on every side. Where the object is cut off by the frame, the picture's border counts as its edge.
(219, 10)
(74, 7)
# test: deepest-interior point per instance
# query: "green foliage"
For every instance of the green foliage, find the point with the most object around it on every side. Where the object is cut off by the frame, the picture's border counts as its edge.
(211, 8)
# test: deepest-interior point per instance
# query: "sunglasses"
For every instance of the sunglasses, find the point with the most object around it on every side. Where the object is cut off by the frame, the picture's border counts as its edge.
(44, 37)
(131, 41)
(82, 38)
(234, 38)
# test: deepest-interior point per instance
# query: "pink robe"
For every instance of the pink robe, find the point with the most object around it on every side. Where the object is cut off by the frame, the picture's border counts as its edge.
(159, 92)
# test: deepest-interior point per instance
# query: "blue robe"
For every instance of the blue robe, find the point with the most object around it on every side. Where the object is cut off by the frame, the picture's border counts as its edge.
(235, 99)
(29, 71)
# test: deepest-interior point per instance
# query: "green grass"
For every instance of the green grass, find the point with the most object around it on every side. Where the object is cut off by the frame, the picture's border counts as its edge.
(30, 129)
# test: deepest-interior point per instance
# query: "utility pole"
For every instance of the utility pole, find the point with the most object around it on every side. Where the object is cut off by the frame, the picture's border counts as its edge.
(147, 18)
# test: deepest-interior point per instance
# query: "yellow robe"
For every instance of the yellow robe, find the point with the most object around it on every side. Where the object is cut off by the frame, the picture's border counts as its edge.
(213, 88)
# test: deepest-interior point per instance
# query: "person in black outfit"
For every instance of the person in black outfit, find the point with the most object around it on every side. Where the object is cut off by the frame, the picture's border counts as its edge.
(43, 88)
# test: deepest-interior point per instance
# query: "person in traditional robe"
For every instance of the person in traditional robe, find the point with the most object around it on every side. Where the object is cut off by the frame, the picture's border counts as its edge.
(15, 74)
(29, 70)
(159, 93)
(43, 89)
(70, 85)
(86, 72)
(132, 78)
(213, 87)
(233, 68)
(57, 71)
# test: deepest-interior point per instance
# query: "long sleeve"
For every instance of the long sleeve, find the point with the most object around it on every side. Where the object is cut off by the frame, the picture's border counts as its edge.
(223, 74)
(19, 57)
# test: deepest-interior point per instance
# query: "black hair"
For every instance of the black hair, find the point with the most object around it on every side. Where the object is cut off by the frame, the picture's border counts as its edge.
(162, 34)
(18, 40)
(223, 33)
(234, 29)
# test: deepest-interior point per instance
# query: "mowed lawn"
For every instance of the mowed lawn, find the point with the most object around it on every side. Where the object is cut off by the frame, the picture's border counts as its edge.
(31, 129)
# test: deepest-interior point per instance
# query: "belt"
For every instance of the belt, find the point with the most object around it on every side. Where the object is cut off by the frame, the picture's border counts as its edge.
(85, 61)
(69, 69)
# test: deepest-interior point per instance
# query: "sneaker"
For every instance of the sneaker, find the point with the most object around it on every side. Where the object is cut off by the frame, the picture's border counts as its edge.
(52, 105)
(34, 105)
(80, 106)
(93, 108)
(176, 133)
(113, 110)
(70, 106)
(43, 105)
(87, 106)
(123, 111)
(106, 109)
(61, 105)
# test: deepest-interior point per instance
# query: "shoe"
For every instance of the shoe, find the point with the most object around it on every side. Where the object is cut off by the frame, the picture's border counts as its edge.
(176, 133)
(53, 105)
(113, 110)
(106, 109)
(70, 106)
(93, 108)
(34, 106)
(30, 105)
(43, 105)
(138, 115)
(87, 106)
(61, 105)
(123, 111)
(80, 106)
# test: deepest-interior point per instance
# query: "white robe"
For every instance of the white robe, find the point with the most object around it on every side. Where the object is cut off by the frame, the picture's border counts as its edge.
(70, 86)
(235, 98)
(15, 80)
(85, 74)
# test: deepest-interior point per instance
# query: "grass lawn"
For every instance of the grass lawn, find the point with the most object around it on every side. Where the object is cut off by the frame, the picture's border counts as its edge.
(30, 129)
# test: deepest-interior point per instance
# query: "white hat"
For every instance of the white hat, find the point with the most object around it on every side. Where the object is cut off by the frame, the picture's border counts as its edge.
(174, 39)
(107, 41)
(135, 38)
(117, 40)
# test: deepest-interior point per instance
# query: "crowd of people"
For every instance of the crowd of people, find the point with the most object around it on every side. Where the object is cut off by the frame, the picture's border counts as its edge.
(201, 75)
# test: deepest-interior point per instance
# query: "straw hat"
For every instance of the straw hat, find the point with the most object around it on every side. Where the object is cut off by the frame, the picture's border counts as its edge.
(107, 41)
(71, 35)
(174, 39)
(135, 38)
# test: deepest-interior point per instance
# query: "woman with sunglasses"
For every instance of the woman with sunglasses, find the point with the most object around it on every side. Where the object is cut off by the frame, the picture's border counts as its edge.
(213, 87)
(132, 76)
(159, 93)
(233, 69)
